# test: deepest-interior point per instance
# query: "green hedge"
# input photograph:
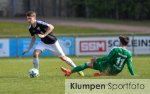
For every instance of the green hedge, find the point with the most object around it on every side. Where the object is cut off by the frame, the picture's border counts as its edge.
(116, 9)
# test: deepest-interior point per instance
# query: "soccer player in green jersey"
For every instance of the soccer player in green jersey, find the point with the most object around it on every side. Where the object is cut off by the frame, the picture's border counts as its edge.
(112, 64)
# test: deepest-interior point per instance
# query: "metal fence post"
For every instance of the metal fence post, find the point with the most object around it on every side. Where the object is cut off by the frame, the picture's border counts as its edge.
(133, 48)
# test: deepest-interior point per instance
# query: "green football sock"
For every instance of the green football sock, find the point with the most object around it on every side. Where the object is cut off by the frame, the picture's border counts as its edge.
(79, 68)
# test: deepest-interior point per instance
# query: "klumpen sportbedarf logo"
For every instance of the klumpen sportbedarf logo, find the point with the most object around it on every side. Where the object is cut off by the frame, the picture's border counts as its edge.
(93, 46)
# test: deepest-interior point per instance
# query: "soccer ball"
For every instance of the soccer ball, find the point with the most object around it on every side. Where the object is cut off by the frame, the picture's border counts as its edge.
(33, 73)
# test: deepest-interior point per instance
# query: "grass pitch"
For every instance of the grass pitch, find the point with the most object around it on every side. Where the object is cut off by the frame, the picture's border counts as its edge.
(14, 77)
(22, 29)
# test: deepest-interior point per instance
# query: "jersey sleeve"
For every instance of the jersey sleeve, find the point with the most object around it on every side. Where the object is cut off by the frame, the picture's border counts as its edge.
(108, 57)
(43, 24)
(129, 64)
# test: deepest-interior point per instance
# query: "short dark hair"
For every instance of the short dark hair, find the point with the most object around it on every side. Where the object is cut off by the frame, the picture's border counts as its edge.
(31, 13)
(124, 40)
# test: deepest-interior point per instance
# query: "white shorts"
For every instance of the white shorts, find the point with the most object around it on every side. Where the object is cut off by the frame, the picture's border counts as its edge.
(55, 48)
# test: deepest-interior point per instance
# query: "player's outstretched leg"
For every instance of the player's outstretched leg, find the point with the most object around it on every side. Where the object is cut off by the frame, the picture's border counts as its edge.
(59, 52)
(75, 69)
(71, 63)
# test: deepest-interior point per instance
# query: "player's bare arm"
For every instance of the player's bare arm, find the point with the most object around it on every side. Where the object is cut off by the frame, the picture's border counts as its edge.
(49, 30)
(31, 45)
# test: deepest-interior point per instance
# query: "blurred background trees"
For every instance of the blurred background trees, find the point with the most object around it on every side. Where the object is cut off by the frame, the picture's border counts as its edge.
(115, 9)
(109, 9)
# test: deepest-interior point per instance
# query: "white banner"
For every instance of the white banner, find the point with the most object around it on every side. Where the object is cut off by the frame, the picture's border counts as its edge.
(4, 47)
(102, 45)
(141, 44)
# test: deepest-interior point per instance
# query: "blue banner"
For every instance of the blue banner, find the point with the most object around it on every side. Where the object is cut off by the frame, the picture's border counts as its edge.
(17, 46)
(13, 47)
(67, 44)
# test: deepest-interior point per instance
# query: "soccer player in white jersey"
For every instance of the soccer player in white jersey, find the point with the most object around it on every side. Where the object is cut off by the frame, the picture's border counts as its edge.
(48, 40)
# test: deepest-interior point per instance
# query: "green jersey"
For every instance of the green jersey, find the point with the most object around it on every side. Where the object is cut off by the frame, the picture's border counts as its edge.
(114, 62)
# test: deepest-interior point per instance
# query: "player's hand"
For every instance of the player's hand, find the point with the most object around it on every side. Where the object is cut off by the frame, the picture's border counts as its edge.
(93, 59)
(25, 52)
(41, 35)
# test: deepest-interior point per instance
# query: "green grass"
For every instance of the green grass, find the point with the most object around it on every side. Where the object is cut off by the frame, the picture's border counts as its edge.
(14, 74)
(14, 77)
(113, 21)
(9, 28)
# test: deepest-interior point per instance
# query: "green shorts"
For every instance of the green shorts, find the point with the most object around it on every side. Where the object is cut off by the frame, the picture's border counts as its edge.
(99, 66)
(104, 66)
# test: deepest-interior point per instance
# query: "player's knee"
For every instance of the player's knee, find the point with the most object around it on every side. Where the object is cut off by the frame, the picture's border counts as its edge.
(90, 65)
(36, 54)
(93, 60)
